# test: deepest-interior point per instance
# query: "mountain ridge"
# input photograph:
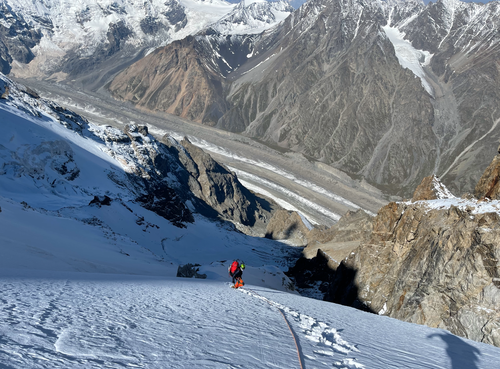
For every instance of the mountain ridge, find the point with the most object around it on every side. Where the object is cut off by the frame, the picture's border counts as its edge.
(352, 67)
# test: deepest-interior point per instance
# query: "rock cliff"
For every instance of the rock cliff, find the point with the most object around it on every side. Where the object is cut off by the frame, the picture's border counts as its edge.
(433, 261)
(217, 191)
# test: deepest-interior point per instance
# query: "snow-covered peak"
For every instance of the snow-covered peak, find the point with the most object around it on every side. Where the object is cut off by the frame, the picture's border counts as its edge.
(441, 191)
(61, 159)
(98, 29)
(252, 17)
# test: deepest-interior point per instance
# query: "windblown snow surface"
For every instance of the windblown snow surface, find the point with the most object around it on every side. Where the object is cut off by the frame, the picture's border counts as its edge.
(85, 286)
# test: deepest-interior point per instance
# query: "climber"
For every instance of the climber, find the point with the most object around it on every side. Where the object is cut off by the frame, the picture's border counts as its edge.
(235, 272)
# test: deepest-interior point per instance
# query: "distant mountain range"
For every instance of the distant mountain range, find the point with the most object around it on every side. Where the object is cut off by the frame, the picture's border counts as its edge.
(391, 91)
(50, 39)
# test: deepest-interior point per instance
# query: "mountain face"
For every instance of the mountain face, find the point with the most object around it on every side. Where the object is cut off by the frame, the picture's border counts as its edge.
(432, 262)
(188, 77)
(172, 179)
(88, 42)
(390, 91)
(16, 39)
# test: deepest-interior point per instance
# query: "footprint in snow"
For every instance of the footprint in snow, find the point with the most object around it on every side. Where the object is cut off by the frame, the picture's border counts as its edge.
(328, 339)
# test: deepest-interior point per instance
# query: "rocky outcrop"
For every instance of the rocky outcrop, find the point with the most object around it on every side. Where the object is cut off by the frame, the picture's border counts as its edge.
(488, 186)
(190, 271)
(434, 262)
(17, 38)
(218, 191)
(287, 225)
(431, 188)
(169, 174)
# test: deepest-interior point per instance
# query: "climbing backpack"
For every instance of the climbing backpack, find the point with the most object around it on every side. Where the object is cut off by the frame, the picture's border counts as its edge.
(234, 266)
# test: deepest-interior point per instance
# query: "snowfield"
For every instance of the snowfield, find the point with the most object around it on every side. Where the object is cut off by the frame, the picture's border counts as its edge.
(88, 320)
(94, 286)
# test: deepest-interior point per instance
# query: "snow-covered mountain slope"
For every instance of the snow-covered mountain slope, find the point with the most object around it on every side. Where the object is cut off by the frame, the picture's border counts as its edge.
(80, 195)
(55, 36)
(252, 17)
(61, 159)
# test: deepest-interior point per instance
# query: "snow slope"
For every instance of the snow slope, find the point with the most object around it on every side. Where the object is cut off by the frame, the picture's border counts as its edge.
(87, 320)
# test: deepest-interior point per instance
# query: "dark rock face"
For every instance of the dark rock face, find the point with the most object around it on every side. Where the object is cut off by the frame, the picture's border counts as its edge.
(307, 273)
(16, 39)
(150, 25)
(75, 64)
(176, 15)
(101, 201)
(164, 201)
(218, 190)
(190, 271)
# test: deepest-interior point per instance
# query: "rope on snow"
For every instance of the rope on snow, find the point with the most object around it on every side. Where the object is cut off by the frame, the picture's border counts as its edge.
(286, 321)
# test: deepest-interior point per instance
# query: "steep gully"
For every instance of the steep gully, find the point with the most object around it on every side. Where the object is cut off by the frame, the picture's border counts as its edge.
(318, 191)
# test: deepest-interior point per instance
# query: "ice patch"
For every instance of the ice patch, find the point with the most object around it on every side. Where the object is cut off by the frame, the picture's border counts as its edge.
(409, 57)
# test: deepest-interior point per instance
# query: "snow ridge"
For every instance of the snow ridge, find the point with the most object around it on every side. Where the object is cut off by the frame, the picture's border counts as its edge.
(253, 17)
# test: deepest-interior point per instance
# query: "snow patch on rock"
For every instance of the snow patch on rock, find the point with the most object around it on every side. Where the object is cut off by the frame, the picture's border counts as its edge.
(409, 57)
